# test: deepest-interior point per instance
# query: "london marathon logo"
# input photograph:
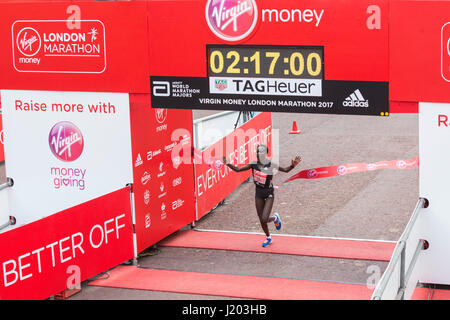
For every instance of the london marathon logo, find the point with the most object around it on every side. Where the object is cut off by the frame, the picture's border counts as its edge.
(66, 141)
(231, 20)
(48, 46)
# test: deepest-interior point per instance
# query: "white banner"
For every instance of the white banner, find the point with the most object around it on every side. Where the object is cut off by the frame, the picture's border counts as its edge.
(64, 148)
(434, 222)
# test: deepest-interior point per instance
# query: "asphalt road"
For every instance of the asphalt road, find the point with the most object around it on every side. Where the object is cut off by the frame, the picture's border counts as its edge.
(368, 205)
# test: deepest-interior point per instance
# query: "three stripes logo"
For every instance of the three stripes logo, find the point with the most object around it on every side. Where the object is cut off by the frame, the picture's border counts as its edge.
(356, 99)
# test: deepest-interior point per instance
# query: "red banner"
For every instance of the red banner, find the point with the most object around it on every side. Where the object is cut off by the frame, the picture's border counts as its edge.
(71, 46)
(62, 250)
(419, 37)
(213, 184)
(163, 176)
(354, 34)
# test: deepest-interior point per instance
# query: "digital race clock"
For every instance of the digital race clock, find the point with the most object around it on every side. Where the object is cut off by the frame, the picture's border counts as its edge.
(305, 62)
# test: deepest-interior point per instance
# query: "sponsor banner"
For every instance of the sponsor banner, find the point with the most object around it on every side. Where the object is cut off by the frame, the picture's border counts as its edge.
(419, 33)
(71, 146)
(213, 181)
(433, 223)
(74, 47)
(283, 53)
(363, 56)
(344, 169)
(59, 251)
(338, 97)
(163, 173)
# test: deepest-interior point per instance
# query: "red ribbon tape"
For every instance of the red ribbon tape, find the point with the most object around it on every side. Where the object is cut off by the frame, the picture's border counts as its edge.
(341, 170)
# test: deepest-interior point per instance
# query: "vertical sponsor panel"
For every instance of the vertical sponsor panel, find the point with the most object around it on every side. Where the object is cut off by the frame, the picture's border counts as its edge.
(2, 148)
(434, 221)
(64, 148)
(163, 174)
(419, 41)
(212, 185)
(59, 251)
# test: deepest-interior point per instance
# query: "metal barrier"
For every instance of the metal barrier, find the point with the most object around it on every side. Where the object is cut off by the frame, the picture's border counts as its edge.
(399, 255)
(12, 220)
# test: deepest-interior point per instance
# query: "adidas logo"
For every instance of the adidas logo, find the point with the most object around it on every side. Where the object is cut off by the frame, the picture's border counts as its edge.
(356, 99)
(138, 161)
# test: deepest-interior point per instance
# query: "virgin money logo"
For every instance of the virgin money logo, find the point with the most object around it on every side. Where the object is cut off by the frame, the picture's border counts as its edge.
(341, 170)
(66, 141)
(312, 173)
(160, 115)
(401, 164)
(28, 41)
(231, 20)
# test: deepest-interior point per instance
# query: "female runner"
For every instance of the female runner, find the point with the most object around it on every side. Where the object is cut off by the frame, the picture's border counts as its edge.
(263, 170)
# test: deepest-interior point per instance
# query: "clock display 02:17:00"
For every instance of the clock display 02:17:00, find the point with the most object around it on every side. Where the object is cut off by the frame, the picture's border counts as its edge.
(305, 62)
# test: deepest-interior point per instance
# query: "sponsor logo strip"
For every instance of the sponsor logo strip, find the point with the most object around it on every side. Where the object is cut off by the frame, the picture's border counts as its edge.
(274, 95)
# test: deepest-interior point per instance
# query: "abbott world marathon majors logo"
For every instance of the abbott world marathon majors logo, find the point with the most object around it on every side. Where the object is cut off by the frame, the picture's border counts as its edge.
(231, 20)
(49, 46)
(66, 144)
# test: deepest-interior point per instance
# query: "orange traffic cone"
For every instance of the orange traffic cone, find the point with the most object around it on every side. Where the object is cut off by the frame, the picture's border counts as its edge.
(295, 130)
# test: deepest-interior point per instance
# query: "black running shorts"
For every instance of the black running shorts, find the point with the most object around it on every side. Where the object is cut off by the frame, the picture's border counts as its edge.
(264, 193)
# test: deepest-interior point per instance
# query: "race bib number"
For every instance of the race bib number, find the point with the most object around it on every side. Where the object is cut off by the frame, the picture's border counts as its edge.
(259, 177)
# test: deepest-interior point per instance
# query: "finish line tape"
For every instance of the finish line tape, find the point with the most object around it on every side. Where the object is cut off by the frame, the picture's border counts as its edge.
(326, 172)
(341, 170)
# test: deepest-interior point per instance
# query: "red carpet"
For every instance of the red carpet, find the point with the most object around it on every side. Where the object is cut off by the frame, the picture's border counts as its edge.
(317, 247)
(433, 294)
(234, 286)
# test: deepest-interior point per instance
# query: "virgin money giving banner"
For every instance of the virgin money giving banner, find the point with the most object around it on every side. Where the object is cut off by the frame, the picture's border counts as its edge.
(274, 55)
(434, 222)
(64, 148)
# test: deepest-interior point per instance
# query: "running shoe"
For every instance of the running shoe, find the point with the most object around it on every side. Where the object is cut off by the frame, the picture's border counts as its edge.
(277, 221)
(267, 242)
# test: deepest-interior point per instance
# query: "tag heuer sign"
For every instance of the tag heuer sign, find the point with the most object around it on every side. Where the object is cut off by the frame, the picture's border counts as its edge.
(221, 84)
